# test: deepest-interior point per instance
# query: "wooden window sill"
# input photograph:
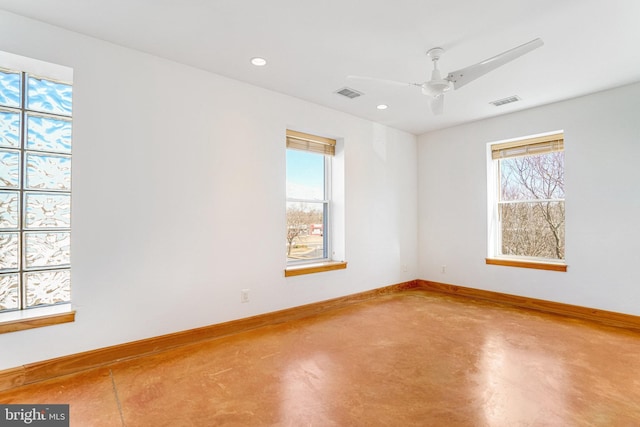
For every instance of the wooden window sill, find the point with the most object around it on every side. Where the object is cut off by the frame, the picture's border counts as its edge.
(314, 268)
(36, 318)
(552, 266)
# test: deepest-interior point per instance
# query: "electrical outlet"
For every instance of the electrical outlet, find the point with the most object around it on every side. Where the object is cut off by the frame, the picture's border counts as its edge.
(404, 268)
(244, 295)
(444, 268)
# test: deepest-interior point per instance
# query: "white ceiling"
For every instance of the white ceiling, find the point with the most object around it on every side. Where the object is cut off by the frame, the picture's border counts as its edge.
(312, 46)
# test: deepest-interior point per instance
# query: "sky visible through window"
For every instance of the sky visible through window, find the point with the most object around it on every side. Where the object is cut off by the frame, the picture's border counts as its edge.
(305, 175)
(306, 206)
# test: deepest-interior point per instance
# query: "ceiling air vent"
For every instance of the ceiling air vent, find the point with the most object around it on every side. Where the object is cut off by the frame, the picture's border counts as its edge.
(349, 93)
(507, 100)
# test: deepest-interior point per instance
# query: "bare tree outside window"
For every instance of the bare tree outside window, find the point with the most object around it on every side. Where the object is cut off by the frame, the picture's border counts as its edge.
(531, 205)
(304, 231)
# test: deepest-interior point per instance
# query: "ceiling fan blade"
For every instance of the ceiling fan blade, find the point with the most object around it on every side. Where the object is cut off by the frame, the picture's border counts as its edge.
(463, 76)
(437, 104)
(384, 81)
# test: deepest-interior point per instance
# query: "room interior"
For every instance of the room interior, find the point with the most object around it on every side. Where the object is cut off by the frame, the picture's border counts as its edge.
(179, 166)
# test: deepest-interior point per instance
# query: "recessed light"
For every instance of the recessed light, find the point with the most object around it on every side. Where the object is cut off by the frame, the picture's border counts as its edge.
(258, 62)
(382, 107)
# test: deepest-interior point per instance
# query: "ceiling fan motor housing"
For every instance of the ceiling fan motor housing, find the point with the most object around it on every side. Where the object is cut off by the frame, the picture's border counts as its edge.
(436, 87)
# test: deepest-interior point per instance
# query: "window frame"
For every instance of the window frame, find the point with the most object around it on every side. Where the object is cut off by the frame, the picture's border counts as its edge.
(532, 145)
(33, 316)
(326, 147)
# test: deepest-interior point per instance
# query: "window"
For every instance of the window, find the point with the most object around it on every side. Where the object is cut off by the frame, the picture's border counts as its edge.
(35, 188)
(309, 213)
(308, 196)
(527, 201)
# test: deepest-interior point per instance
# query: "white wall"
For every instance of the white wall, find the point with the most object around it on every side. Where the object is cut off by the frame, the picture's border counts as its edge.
(178, 197)
(602, 173)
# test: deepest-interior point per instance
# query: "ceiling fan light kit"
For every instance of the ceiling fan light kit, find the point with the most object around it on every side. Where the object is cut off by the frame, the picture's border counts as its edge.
(437, 86)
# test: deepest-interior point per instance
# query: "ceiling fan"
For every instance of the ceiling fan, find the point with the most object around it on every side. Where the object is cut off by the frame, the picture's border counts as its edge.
(437, 86)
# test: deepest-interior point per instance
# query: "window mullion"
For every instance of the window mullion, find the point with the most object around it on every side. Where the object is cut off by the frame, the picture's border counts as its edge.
(21, 198)
(507, 202)
(294, 200)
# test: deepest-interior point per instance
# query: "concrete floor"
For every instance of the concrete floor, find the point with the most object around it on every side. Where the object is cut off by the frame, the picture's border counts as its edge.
(409, 359)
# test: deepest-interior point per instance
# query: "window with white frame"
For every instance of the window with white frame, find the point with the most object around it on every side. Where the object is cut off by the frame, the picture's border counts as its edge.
(308, 197)
(527, 199)
(35, 188)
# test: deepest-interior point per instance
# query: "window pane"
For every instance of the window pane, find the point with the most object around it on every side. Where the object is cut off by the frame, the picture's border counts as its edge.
(305, 231)
(9, 251)
(9, 169)
(9, 284)
(48, 134)
(35, 187)
(9, 129)
(48, 96)
(9, 209)
(47, 210)
(533, 229)
(10, 88)
(47, 249)
(305, 175)
(532, 177)
(47, 287)
(48, 172)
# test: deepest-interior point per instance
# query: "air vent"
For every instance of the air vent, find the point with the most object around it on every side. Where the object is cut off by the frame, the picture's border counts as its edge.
(349, 93)
(507, 100)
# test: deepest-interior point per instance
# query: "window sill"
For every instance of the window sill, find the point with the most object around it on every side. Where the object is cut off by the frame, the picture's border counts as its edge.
(314, 268)
(552, 266)
(36, 318)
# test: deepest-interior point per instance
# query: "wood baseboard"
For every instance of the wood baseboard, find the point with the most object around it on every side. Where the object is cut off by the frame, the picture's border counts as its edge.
(48, 369)
(609, 318)
(11, 378)
(65, 365)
